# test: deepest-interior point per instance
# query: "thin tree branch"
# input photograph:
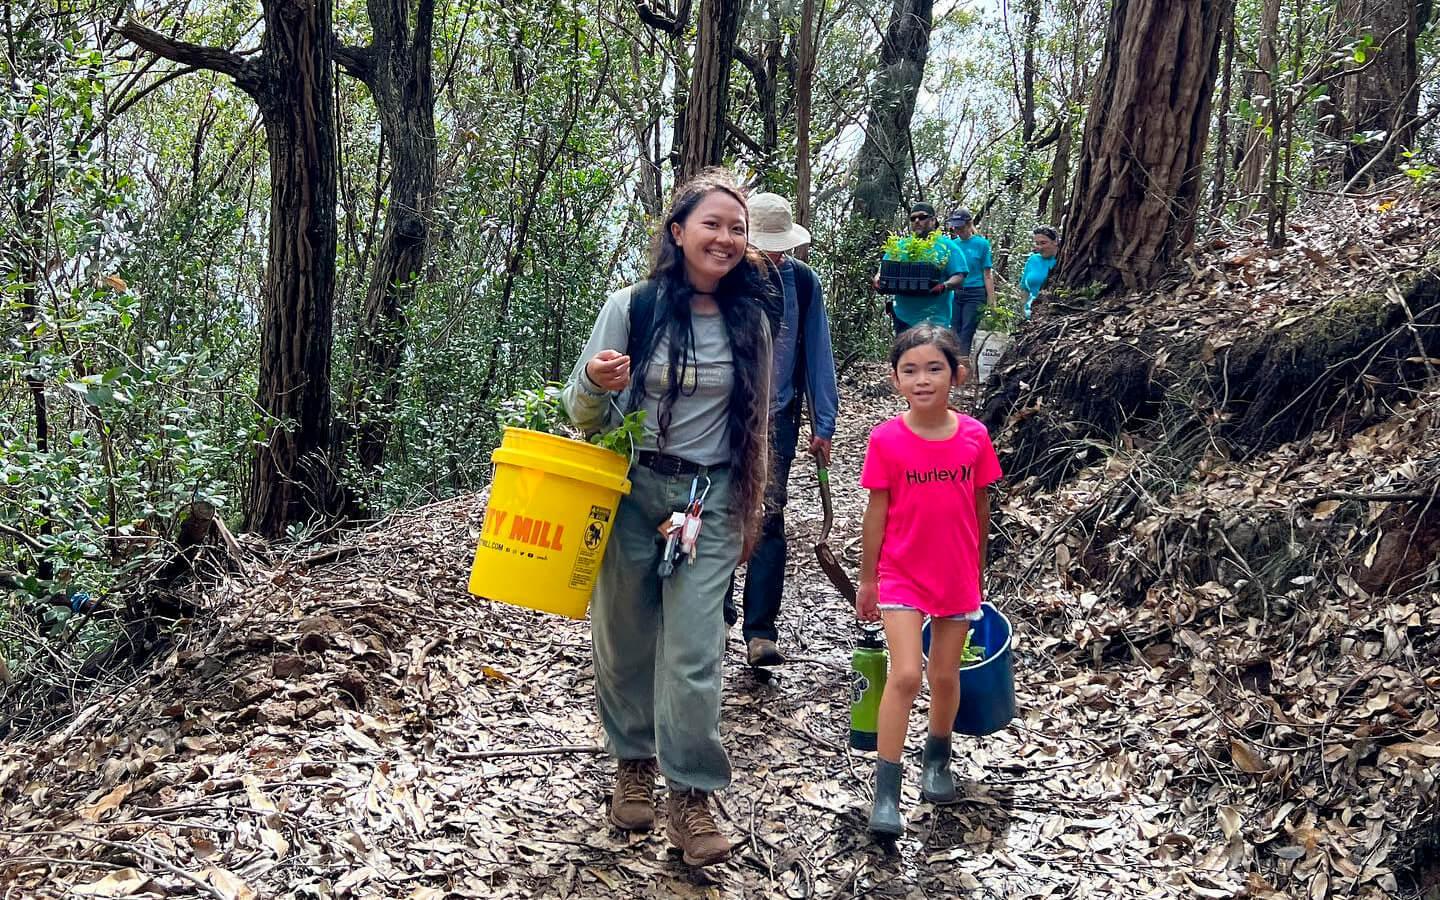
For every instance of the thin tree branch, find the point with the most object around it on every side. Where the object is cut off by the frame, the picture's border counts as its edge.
(22, 537)
(215, 59)
(1417, 123)
(660, 19)
(745, 139)
(752, 62)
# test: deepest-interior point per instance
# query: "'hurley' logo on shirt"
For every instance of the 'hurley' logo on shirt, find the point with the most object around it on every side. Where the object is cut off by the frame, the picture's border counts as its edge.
(960, 474)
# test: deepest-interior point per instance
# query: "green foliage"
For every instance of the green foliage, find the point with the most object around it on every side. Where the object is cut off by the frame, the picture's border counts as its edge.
(541, 410)
(625, 437)
(970, 653)
(537, 410)
(1003, 315)
(1418, 170)
(909, 248)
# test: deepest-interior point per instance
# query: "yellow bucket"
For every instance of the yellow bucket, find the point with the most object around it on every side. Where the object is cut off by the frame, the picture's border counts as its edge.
(552, 505)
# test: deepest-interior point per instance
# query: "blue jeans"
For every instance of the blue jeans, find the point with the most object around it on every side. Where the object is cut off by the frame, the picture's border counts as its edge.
(969, 304)
(765, 576)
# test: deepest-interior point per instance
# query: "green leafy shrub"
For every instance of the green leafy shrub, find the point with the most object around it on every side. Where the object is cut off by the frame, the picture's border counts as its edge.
(1000, 316)
(541, 410)
(909, 248)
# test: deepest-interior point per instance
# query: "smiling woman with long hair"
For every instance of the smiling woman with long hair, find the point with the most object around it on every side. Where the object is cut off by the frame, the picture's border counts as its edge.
(702, 375)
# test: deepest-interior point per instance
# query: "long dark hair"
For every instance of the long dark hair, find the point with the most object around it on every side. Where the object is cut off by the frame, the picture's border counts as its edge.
(740, 296)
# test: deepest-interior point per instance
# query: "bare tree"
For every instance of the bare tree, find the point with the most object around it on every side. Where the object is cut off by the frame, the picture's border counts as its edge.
(885, 153)
(397, 69)
(708, 103)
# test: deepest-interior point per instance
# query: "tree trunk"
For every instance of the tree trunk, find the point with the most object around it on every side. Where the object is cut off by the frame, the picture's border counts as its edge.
(26, 253)
(883, 161)
(708, 100)
(293, 480)
(397, 69)
(1139, 180)
(804, 93)
(1258, 135)
(1222, 139)
(292, 83)
(1031, 27)
(1383, 95)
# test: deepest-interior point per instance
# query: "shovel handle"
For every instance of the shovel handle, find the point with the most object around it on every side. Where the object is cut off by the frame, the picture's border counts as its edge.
(824, 476)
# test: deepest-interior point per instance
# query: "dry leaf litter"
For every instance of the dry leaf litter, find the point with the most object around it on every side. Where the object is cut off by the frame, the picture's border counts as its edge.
(353, 724)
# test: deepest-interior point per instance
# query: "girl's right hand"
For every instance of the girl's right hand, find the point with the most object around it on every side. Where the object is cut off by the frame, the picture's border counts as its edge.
(867, 602)
(609, 370)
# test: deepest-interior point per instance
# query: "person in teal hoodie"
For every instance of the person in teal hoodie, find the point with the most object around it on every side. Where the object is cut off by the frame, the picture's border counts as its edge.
(978, 289)
(1039, 263)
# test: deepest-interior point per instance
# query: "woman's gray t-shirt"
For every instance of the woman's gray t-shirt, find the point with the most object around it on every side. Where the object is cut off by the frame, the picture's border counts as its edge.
(699, 427)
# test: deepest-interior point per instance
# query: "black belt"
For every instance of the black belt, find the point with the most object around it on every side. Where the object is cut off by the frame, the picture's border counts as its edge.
(665, 464)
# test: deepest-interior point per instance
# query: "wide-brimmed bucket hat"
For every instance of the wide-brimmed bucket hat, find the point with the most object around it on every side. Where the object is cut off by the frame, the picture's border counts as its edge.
(772, 225)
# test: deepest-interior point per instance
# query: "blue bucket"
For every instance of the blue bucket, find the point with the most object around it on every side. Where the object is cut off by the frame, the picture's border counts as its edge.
(987, 689)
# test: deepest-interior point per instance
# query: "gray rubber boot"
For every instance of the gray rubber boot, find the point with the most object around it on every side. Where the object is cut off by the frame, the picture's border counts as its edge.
(885, 821)
(936, 783)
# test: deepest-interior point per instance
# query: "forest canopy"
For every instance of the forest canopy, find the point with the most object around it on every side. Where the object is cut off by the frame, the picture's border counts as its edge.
(289, 265)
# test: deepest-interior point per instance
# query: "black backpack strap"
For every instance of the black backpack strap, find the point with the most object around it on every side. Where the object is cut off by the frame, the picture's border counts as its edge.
(643, 299)
(806, 283)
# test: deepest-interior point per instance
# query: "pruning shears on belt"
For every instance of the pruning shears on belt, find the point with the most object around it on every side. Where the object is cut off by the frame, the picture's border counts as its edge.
(682, 530)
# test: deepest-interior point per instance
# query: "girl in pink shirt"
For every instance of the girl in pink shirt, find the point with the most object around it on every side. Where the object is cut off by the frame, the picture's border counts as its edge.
(926, 529)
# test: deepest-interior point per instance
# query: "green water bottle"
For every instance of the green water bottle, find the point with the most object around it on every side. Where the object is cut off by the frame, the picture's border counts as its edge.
(868, 665)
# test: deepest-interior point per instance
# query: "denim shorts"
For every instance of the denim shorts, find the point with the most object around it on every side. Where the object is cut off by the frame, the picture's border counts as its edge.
(972, 616)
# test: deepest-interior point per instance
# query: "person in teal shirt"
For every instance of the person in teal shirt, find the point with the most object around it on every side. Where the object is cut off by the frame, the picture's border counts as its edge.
(1039, 263)
(978, 289)
(909, 311)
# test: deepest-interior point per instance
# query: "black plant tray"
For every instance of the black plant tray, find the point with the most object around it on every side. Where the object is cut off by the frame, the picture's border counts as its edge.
(908, 278)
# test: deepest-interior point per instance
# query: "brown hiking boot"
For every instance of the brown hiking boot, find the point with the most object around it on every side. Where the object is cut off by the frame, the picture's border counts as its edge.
(762, 652)
(632, 801)
(691, 828)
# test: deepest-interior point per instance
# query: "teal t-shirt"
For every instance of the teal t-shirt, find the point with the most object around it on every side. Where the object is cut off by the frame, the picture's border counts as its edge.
(934, 307)
(1037, 271)
(977, 255)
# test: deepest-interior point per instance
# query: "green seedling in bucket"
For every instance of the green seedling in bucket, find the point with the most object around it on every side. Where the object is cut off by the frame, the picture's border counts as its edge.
(971, 654)
(624, 436)
(537, 410)
(541, 410)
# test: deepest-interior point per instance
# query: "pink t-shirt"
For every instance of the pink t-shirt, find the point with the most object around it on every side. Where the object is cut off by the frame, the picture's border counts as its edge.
(930, 557)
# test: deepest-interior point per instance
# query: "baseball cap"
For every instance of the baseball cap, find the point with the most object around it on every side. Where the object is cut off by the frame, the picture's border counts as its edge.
(959, 217)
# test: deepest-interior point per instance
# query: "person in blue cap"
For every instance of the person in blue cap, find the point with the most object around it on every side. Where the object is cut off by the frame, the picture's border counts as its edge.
(978, 289)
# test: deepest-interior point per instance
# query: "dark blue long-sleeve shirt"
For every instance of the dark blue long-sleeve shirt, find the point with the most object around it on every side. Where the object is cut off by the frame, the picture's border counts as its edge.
(819, 355)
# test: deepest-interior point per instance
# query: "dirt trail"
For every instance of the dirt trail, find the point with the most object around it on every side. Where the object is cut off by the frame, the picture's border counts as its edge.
(364, 728)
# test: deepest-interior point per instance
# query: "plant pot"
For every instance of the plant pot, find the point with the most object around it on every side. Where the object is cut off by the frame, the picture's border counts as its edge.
(907, 278)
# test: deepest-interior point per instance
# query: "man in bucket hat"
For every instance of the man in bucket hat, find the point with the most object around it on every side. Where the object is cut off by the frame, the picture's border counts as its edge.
(804, 365)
